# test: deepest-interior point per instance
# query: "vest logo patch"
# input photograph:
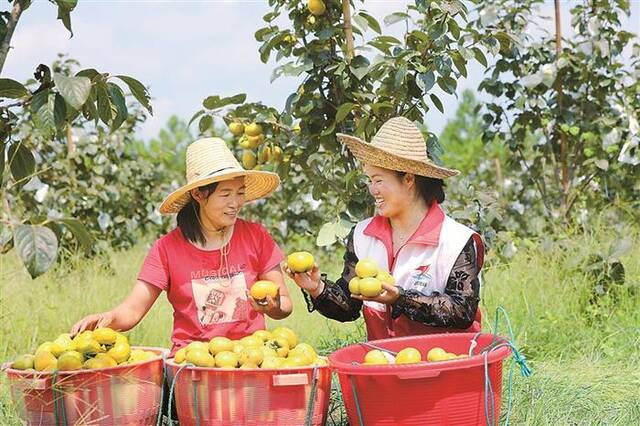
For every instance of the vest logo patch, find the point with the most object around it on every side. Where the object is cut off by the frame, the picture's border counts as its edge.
(420, 277)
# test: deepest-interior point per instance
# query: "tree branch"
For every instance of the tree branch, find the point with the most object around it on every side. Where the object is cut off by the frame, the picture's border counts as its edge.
(19, 6)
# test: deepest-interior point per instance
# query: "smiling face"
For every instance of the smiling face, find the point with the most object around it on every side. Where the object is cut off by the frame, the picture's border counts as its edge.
(221, 208)
(392, 194)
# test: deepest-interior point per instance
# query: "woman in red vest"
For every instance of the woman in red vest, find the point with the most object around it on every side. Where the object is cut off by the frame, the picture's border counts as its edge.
(435, 261)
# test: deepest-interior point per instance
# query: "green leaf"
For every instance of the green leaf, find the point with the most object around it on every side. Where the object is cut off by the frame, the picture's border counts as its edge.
(79, 231)
(574, 130)
(138, 91)
(459, 62)
(388, 39)
(401, 73)
(425, 81)
(448, 84)
(262, 32)
(21, 162)
(75, 90)
(59, 112)
(373, 24)
(343, 111)
(359, 66)
(104, 104)
(65, 7)
(326, 235)
(39, 100)
(90, 73)
(395, 17)
(12, 89)
(479, 56)
(343, 227)
(436, 101)
(454, 28)
(205, 123)
(215, 102)
(117, 99)
(196, 115)
(37, 247)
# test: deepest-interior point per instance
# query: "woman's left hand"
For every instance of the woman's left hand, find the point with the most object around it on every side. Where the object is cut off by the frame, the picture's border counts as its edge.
(270, 307)
(389, 295)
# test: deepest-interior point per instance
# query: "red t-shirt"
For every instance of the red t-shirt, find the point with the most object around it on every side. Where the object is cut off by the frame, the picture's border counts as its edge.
(209, 299)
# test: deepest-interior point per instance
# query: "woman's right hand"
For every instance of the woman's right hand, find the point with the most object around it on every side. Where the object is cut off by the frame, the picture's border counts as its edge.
(309, 281)
(93, 321)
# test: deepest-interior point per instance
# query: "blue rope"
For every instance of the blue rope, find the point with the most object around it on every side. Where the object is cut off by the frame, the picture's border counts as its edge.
(312, 397)
(520, 359)
(173, 384)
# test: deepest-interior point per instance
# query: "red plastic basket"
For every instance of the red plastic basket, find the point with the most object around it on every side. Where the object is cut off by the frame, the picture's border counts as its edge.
(429, 393)
(211, 396)
(122, 395)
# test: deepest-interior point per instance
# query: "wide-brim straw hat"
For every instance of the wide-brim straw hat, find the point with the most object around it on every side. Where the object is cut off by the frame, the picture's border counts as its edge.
(398, 145)
(209, 160)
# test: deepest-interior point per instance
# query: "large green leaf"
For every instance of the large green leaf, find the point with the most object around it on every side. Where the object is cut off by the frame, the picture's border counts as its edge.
(39, 100)
(371, 21)
(21, 162)
(65, 7)
(326, 235)
(343, 111)
(37, 246)
(205, 123)
(138, 91)
(12, 89)
(425, 81)
(79, 231)
(59, 111)
(75, 90)
(118, 100)
(104, 103)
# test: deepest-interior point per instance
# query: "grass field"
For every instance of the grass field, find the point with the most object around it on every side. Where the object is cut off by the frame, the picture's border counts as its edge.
(586, 358)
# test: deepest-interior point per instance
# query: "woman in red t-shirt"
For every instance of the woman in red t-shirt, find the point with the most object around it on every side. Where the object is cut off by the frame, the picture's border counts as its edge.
(207, 264)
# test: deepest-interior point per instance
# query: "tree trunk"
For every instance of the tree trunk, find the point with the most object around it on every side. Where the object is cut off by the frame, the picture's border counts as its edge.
(19, 6)
(348, 32)
(564, 160)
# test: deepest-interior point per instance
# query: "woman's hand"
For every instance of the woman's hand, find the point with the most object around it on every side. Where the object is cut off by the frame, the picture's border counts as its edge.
(91, 322)
(389, 295)
(270, 306)
(309, 281)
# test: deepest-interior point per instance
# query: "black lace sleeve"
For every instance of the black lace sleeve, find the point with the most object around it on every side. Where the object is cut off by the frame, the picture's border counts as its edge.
(456, 308)
(335, 301)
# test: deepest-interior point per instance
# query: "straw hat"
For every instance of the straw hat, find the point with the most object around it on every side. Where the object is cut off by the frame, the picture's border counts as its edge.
(210, 160)
(398, 145)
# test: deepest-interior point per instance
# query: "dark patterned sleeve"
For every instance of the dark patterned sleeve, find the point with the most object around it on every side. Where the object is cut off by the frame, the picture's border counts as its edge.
(456, 308)
(335, 301)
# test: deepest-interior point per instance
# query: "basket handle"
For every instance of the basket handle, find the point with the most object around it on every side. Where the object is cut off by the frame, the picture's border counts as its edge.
(418, 374)
(290, 379)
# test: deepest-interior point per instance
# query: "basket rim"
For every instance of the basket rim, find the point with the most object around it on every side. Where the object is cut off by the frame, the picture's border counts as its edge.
(342, 367)
(34, 374)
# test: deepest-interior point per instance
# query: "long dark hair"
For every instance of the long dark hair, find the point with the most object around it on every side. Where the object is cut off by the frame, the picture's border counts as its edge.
(429, 189)
(188, 216)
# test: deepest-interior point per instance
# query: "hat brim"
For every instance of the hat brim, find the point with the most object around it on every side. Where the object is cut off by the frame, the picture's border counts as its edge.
(258, 184)
(370, 154)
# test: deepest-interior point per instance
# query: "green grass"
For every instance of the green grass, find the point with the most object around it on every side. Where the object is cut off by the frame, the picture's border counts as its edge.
(586, 359)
